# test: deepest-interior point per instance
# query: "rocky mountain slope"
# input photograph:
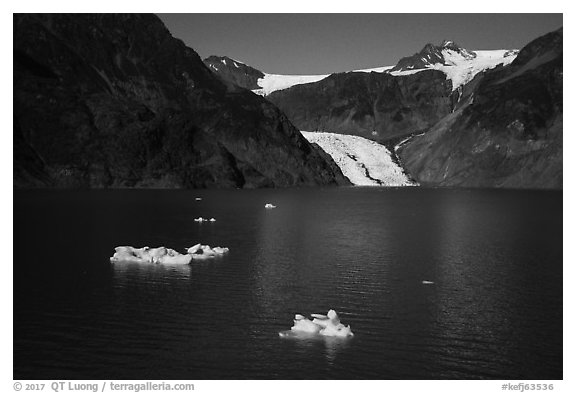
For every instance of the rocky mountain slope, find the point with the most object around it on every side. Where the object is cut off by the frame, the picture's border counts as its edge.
(505, 132)
(114, 100)
(235, 71)
(373, 105)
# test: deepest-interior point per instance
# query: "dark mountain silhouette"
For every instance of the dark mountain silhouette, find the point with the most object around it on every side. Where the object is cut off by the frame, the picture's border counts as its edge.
(113, 100)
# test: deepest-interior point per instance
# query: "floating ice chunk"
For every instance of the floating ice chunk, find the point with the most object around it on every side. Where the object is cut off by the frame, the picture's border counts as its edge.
(161, 255)
(201, 219)
(156, 254)
(124, 257)
(193, 249)
(269, 206)
(304, 325)
(326, 320)
(200, 251)
(324, 325)
(220, 250)
(336, 331)
(176, 259)
(207, 250)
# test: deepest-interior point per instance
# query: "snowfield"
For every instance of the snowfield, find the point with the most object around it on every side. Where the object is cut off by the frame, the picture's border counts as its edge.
(274, 82)
(362, 161)
(462, 70)
(458, 68)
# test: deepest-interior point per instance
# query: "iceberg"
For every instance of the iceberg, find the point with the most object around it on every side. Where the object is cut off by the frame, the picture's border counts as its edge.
(269, 206)
(303, 324)
(160, 255)
(324, 325)
(193, 249)
(199, 251)
(166, 256)
(201, 219)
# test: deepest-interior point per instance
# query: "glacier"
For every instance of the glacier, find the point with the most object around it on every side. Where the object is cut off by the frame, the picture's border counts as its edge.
(362, 161)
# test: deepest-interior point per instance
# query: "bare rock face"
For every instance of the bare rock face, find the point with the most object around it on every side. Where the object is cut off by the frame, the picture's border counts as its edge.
(115, 101)
(234, 71)
(373, 105)
(506, 130)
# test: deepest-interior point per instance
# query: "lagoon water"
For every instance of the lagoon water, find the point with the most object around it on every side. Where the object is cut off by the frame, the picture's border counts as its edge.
(494, 310)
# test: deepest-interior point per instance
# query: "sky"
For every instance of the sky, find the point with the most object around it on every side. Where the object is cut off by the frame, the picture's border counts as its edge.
(327, 43)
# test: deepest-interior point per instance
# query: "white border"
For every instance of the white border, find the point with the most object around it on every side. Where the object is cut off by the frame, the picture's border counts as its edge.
(421, 6)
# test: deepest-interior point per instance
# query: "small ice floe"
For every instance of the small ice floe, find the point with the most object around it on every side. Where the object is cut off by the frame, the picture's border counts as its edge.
(427, 282)
(269, 206)
(160, 255)
(323, 325)
(199, 251)
(201, 219)
(198, 199)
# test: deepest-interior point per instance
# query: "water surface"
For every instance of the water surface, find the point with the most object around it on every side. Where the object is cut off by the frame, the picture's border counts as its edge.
(494, 310)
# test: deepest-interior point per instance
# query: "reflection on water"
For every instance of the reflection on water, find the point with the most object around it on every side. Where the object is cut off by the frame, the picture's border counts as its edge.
(314, 343)
(148, 272)
(494, 310)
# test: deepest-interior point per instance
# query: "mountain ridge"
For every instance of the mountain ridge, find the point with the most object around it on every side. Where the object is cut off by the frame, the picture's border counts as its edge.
(446, 105)
(113, 100)
(441, 57)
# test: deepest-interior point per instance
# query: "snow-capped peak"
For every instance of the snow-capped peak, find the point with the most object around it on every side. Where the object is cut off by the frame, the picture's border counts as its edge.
(459, 64)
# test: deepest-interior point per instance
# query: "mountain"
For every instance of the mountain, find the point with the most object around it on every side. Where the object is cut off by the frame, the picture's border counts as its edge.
(252, 79)
(505, 132)
(459, 64)
(432, 54)
(378, 106)
(113, 100)
(456, 117)
(386, 103)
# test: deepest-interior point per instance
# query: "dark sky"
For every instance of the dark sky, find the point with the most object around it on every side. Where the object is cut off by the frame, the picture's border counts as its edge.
(327, 43)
